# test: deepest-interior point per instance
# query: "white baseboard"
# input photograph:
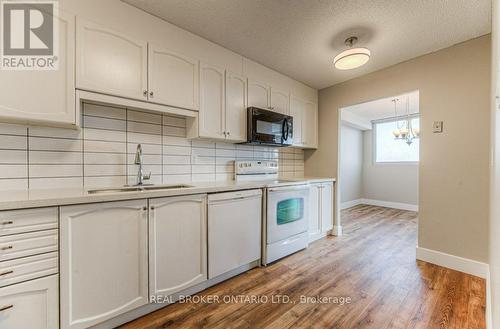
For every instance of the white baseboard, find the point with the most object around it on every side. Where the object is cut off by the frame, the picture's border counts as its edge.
(337, 230)
(388, 204)
(457, 263)
(349, 204)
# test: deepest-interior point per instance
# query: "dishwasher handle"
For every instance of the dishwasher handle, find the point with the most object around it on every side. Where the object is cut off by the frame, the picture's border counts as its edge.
(237, 195)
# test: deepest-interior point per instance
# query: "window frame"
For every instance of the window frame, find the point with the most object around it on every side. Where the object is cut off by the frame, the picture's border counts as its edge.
(374, 141)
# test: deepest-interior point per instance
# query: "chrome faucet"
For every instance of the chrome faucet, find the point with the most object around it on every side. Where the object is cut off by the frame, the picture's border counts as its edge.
(139, 159)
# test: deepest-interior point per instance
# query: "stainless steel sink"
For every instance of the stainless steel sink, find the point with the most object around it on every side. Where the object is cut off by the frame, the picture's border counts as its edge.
(138, 188)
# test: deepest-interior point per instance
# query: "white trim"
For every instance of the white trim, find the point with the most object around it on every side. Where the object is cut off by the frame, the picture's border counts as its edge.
(457, 263)
(389, 204)
(337, 230)
(489, 315)
(352, 203)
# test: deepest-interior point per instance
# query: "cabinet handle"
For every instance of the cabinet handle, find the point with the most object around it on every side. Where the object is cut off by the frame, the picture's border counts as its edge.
(144, 208)
(6, 248)
(145, 93)
(151, 94)
(8, 222)
(6, 307)
(152, 208)
(6, 272)
(228, 133)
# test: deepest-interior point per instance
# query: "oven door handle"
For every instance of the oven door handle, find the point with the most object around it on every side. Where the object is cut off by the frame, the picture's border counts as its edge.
(289, 188)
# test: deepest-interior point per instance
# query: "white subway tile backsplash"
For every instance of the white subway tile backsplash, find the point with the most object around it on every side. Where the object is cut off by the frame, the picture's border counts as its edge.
(146, 117)
(104, 147)
(105, 170)
(104, 123)
(13, 156)
(55, 170)
(55, 144)
(105, 158)
(48, 157)
(105, 111)
(174, 121)
(13, 171)
(102, 152)
(8, 142)
(104, 135)
(174, 131)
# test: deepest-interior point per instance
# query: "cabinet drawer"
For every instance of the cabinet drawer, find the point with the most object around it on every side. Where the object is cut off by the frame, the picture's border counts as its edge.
(28, 220)
(27, 244)
(27, 268)
(33, 304)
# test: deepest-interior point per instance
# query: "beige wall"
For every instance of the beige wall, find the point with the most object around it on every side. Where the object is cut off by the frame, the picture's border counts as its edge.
(454, 86)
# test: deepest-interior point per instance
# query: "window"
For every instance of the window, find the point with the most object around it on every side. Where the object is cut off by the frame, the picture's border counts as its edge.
(389, 149)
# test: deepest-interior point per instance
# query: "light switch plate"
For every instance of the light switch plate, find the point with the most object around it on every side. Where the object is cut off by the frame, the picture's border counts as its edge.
(437, 127)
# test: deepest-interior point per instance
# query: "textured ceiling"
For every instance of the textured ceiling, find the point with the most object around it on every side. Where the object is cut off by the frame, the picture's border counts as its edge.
(299, 38)
(384, 108)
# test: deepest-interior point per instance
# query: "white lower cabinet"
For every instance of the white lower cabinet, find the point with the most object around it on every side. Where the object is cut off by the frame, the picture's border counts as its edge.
(234, 230)
(104, 261)
(321, 210)
(177, 243)
(32, 304)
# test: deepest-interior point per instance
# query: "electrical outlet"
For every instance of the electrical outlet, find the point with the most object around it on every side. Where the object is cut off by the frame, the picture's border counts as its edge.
(437, 127)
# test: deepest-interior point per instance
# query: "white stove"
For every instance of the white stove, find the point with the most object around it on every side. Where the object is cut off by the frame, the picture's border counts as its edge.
(286, 209)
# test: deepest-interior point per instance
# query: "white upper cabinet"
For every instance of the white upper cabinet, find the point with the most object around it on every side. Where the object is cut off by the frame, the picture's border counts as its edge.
(259, 94)
(296, 111)
(212, 102)
(177, 243)
(310, 125)
(46, 97)
(104, 261)
(236, 112)
(173, 78)
(110, 62)
(305, 122)
(280, 101)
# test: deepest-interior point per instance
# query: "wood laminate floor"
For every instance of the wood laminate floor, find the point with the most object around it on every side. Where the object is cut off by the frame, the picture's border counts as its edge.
(373, 264)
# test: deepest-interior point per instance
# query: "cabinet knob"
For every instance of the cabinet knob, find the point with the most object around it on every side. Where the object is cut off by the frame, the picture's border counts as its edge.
(144, 208)
(145, 93)
(7, 222)
(6, 248)
(228, 133)
(152, 208)
(151, 94)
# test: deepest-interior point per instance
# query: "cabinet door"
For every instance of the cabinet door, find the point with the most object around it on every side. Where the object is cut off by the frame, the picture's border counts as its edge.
(310, 125)
(212, 102)
(178, 243)
(104, 261)
(43, 96)
(236, 112)
(280, 101)
(258, 94)
(314, 212)
(326, 207)
(173, 78)
(33, 304)
(110, 62)
(296, 111)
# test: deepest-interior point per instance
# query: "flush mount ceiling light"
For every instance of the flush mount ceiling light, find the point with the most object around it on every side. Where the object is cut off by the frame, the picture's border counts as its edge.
(353, 57)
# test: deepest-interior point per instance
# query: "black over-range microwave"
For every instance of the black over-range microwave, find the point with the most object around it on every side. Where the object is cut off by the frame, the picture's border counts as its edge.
(268, 128)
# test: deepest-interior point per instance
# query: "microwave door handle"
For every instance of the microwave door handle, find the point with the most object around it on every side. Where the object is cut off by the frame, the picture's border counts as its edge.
(287, 130)
(284, 136)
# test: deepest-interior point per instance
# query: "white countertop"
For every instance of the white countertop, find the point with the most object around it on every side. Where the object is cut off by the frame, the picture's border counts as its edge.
(20, 199)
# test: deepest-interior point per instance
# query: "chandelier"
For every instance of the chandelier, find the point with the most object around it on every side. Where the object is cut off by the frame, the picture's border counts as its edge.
(404, 128)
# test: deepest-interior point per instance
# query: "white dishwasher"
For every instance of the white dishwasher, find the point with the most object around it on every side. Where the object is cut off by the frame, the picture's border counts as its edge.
(234, 230)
